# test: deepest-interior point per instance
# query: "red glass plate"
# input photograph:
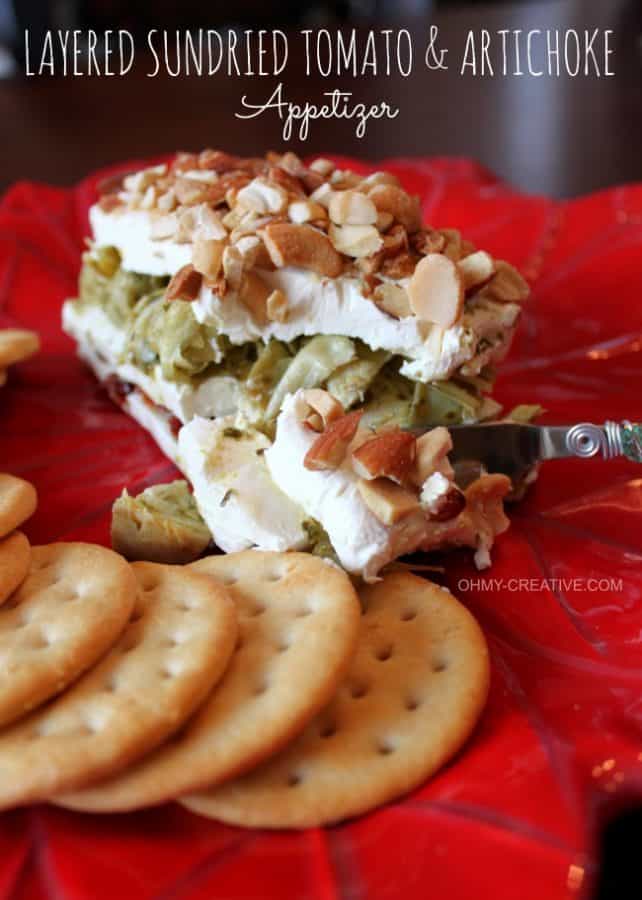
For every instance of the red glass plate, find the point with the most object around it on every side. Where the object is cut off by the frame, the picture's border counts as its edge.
(517, 812)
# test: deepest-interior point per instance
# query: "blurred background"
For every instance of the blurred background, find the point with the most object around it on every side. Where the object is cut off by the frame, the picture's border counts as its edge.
(562, 136)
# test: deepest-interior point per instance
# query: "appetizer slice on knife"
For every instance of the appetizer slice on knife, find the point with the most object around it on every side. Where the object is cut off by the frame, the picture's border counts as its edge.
(218, 288)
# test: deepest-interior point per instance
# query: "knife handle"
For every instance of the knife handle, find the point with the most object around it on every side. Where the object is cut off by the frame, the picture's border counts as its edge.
(611, 439)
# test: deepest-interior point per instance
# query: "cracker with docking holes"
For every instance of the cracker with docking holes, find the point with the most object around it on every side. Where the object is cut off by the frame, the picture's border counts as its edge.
(72, 606)
(174, 649)
(16, 345)
(18, 501)
(298, 624)
(15, 555)
(415, 690)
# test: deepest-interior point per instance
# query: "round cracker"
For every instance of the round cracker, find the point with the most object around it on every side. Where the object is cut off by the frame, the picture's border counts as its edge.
(416, 688)
(18, 501)
(17, 344)
(73, 604)
(15, 555)
(298, 625)
(176, 646)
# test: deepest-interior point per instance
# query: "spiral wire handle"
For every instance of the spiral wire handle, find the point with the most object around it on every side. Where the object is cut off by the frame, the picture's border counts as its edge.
(613, 439)
(585, 440)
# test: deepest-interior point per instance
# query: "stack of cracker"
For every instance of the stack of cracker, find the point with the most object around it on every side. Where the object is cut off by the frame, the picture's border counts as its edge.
(257, 688)
(16, 345)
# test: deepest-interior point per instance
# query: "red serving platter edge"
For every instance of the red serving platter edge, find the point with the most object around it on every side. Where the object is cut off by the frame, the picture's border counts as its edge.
(558, 749)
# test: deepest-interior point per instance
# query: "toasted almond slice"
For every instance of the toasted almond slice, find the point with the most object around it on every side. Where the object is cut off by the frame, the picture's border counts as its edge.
(355, 240)
(432, 449)
(323, 194)
(253, 294)
(262, 197)
(207, 223)
(302, 246)
(207, 256)
(507, 284)
(342, 179)
(149, 198)
(301, 211)
(189, 192)
(393, 299)
(253, 252)
(386, 500)
(323, 166)
(476, 269)
(394, 200)
(388, 455)
(351, 207)
(185, 284)
(436, 290)
(233, 266)
(330, 448)
(277, 306)
(326, 408)
(167, 202)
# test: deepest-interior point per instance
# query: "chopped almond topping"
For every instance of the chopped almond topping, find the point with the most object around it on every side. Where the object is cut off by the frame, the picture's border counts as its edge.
(325, 408)
(323, 166)
(233, 266)
(184, 285)
(428, 241)
(262, 197)
(215, 160)
(207, 256)
(352, 208)
(476, 269)
(432, 449)
(387, 501)
(355, 240)
(277, 306)
(302, 211)
(394, 200)
(189, 191)
(436, 290)
(392, 299)
(167, 202)
(384, 221)
(253, 294)
(452, 243)
(302, 246)
(507, 284)
(330, 448)
(287, 181)
(400, 266)
(323, 194)
(388, 455)
(253, 252)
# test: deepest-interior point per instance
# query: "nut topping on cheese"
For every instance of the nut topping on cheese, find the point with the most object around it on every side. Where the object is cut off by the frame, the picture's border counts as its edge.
(318, 218)
(388, 455)
(330, 448)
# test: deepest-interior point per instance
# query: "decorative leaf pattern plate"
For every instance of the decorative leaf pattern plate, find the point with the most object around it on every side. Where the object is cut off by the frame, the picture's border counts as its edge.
(559, 746)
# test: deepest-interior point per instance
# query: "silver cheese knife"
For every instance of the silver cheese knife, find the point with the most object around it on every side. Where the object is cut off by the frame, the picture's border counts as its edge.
(515, 449)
